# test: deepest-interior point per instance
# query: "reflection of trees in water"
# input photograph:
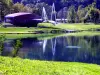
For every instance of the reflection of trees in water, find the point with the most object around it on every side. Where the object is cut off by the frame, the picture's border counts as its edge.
(87, 50)
(55, 49)
(32, 49)
(89, 47)
(94, 46)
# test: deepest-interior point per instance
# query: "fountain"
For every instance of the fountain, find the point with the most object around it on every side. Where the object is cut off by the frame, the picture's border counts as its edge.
(44, 15)
(53, 13)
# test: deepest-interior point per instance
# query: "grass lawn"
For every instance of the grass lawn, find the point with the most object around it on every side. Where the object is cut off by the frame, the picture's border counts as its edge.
(74, 26)
(17, 66)
(16, 30)
(38, 36)
(58, 27)
(24, 30)
(84, 33)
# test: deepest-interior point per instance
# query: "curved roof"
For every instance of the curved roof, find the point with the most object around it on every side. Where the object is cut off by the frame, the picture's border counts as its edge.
(17, 14)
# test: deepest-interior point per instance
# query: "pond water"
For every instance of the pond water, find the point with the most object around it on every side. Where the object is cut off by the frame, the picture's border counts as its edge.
(67, 48)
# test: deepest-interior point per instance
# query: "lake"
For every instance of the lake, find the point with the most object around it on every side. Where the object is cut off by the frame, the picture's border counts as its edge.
(84, 49)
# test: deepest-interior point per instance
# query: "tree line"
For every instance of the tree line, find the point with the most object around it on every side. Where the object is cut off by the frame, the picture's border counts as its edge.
(68, 9)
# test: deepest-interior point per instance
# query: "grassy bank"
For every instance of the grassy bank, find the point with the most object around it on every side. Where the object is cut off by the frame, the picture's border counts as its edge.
(25, 30)
(38, 36)
(74, 26)
(48, 28)
(17, 66)
(84, 33)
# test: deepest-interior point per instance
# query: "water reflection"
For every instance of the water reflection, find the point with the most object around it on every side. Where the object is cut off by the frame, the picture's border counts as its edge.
(53, 44)
(78, 49)
(44, 45)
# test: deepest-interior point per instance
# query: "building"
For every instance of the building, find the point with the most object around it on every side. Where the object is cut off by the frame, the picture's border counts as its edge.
(23, 19)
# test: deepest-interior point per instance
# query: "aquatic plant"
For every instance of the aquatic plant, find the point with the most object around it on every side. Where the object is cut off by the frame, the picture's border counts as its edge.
(17, 46)
(2, 39)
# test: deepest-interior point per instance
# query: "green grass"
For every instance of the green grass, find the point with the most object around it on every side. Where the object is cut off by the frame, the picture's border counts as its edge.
(74, 26)
(49, 27)
(25, 30)
(16, 30)
(84, 33)
(38, 36)
(17, 66)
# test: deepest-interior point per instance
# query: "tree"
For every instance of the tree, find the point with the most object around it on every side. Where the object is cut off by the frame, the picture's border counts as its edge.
(29, 1)
(7, 3)
(18, 7)
(94, 15)
(81, 12)
(46, 6)
(71, 15)
(62, 13)
(5, 6)
(32, 8)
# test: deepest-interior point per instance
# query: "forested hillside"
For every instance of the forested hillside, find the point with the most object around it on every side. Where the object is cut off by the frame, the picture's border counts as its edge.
(62, 3)
(73, 10)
